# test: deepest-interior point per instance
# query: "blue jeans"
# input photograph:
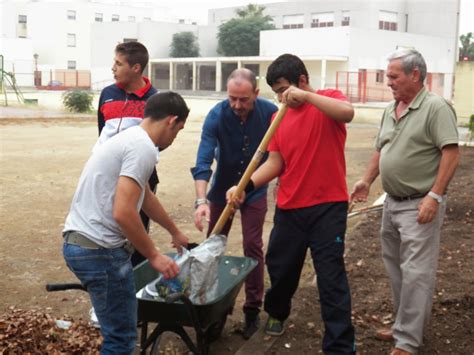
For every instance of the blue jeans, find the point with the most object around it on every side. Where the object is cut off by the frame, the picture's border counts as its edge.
(108, 276)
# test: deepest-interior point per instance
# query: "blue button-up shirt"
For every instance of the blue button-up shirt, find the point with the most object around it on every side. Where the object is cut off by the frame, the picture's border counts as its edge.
(232, 142)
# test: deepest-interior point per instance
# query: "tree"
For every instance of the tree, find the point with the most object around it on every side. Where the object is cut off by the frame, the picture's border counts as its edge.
(184, 44)
(467, 47)
(240, 36)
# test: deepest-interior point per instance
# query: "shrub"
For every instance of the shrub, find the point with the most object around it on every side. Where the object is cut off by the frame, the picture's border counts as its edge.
(471, 124)
(78, 100)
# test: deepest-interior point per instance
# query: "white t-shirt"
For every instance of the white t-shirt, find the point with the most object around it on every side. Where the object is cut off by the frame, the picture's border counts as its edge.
(130, 153)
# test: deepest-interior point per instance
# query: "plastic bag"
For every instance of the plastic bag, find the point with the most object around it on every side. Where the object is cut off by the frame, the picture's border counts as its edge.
(198, 275)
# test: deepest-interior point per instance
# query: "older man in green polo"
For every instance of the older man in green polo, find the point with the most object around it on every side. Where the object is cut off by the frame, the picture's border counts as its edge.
(416, 155)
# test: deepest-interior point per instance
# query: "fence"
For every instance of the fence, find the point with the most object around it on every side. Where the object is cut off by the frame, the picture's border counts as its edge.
(54, 79)
(371, 86)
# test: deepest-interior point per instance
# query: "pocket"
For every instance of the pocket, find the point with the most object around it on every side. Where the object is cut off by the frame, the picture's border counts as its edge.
(96, 284)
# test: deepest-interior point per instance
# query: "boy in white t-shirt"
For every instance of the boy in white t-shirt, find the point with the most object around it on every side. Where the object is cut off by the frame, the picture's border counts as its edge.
(104, 219)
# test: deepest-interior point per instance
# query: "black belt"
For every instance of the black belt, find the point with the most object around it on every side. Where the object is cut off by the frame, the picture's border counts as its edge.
(407, 198)
(75, 238)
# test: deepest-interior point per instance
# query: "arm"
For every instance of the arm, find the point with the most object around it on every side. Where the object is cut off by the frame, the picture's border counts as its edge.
(202, 210)
(202, 171)
(155, 210)
(449, 162)
(338, 110)
(100, 116)
(361, 188)
(125, 214)
(269, 170)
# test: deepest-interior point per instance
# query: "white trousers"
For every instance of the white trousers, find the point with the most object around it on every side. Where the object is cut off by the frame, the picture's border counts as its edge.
(410, 254)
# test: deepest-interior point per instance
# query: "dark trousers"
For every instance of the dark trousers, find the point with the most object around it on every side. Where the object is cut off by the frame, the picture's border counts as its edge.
(320, 228)
(137, 258)
(253, 217)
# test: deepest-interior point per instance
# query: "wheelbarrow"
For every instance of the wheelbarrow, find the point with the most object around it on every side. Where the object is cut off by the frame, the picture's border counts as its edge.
(177, 312)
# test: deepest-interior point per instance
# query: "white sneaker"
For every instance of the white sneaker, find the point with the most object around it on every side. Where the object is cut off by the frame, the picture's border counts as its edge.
(93, 318)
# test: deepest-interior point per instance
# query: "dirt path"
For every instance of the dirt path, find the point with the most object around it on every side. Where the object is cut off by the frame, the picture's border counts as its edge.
(40, 164)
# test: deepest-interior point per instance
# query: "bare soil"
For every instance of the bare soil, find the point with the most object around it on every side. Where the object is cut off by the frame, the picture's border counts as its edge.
(40, 163)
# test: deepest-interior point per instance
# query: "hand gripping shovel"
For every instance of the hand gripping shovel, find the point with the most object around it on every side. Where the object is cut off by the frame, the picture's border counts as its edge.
(204, 259)
(257, 157)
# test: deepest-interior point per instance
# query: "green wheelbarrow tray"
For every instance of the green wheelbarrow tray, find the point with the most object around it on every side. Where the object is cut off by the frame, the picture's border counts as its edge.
(178, 312)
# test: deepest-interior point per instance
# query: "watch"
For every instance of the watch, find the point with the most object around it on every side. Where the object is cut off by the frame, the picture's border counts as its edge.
(200, 201)
(435, 196)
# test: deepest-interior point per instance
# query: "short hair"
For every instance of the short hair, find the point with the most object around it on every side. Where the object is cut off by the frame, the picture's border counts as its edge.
(134, 53)
(286, 66)
(244, 74)
(164, 104)
(411, 59)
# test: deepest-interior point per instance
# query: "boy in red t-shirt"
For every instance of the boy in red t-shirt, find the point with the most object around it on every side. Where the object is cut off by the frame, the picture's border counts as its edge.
(307, 154)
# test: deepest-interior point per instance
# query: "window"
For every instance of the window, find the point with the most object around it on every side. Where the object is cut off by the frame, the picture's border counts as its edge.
(379, 74)
(131, 18)
(99, 17)
(71, 14)
(71, 64)
(71, 40)
(323, 19)
(346, 18)
(147, 19)
(115, 18)
(21, 27)
(388, 21)
(293, 21)
(125, 40)
(181, 21)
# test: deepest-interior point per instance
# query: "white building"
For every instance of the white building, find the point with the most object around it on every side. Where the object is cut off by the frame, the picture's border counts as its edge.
(59, 32)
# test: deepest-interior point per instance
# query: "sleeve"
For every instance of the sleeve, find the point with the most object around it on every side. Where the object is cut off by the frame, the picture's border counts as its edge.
(335, 94)
(100, 116)
(207, 147)
(138, 163)
(443, 127)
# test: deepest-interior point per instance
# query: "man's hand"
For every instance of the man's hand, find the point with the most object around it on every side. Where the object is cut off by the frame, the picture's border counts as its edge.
(293, 96)
(178, 241)
(427, 210)
(202, 211)
(360, 191)
(230, 196)
(165, 265)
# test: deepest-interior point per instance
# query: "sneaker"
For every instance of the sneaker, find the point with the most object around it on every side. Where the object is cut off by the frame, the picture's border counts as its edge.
(251, 326)
(274, 327)
(93, 318)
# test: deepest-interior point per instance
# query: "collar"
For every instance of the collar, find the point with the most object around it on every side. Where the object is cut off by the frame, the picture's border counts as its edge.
(140, 92)
(416, 102)
(414, 105)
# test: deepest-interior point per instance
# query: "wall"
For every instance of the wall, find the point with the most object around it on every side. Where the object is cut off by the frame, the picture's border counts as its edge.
(464, 91)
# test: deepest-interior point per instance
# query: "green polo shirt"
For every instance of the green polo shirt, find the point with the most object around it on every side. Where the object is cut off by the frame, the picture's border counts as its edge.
(410, 149)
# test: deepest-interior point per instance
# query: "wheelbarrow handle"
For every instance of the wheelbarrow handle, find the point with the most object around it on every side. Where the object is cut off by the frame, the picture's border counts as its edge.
(257, 157)
(64, 287)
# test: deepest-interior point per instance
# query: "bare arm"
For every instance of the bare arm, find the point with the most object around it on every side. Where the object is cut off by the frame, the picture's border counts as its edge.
(155, 210)
(447, 167)
(269, 170)
(449, 162)
(202, 210)
(126, 215)
(338, 110)
(361, 188)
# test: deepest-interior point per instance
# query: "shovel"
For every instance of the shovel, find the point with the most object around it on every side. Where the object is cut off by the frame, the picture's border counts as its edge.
(257, 157)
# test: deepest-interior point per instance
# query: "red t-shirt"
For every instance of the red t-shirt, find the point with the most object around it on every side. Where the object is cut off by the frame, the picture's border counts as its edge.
(312, 147)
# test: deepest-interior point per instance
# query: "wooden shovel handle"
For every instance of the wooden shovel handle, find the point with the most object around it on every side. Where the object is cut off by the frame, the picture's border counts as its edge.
(257, 157)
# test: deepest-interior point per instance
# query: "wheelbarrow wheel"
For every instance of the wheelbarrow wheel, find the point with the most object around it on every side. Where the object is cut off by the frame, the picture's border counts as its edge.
(215, 330)
(155, 348)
